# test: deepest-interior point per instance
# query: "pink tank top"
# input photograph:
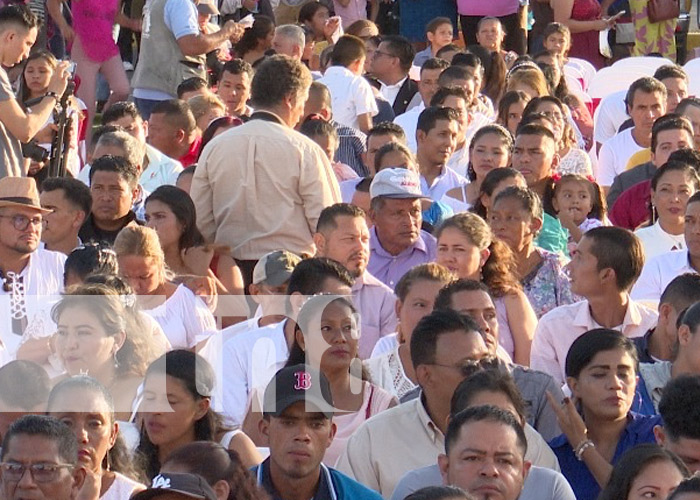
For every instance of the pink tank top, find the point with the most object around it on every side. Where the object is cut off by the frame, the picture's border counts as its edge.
(93, 21)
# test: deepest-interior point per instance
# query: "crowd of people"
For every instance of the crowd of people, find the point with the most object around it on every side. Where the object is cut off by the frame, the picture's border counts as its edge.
(296, 249)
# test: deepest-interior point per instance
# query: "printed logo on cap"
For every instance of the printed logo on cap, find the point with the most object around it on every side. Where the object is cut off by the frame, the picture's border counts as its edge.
(161, 482)
(303, 381)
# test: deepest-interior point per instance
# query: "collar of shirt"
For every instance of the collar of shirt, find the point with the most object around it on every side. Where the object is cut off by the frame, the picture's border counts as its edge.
(376, 246)
(433, 430)
(325, 491)
(191, 156)
(424, 183)
(584, 319)
(267, 116)
(391, 91)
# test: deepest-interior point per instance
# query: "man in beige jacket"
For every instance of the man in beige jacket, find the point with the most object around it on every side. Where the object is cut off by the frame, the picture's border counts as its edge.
(261, 187)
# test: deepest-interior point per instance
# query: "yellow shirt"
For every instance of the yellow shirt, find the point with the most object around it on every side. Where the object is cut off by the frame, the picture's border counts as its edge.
(638, 158)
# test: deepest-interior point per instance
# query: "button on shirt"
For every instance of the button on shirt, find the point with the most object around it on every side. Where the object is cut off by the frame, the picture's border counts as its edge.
(448, 179)
(351, 95)
(390, 268)
(390, 444)
(658, 272)
(375, 301)
(389, 92)
(558, 329)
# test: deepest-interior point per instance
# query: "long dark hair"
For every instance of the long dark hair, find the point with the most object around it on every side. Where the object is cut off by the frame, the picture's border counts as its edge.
(197, 377)
(308, 312)
(35, 54)
(262, 27)
(185, 212)
(117, 458)
(489, 185)
(215, 463)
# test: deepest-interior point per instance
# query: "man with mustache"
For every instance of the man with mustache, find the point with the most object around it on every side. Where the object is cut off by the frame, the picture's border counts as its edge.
(342, 235)
(396, 240)
(298, 427)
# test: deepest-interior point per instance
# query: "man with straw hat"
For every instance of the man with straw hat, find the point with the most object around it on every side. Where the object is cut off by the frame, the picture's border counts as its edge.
(27, 273)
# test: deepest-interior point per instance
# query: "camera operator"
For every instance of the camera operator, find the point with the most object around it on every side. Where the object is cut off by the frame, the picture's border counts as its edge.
(18, 31)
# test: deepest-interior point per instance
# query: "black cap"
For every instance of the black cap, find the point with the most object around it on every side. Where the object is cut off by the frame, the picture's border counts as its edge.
(298, 383)
(190, 485)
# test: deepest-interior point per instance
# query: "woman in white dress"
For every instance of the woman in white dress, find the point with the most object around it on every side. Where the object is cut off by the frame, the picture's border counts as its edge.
(86, 406)
(184, 317)
(671, 187)
(415, 296)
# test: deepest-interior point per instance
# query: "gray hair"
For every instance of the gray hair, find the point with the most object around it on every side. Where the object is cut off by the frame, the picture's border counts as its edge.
(134, 151)
(293, 33)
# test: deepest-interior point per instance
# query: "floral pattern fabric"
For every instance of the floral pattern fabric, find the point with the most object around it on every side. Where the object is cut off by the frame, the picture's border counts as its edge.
(652, 37)
(548, 286)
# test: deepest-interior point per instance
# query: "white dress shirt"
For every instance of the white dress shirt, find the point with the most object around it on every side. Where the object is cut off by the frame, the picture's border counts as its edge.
(408, 121)
(447, 180)
(389, 92)
(351, 95)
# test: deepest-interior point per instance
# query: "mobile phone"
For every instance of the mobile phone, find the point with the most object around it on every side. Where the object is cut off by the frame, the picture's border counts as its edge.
(71, 68)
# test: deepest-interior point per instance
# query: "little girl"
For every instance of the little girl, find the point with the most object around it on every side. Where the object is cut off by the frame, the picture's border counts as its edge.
(325, 135)
(577, 202)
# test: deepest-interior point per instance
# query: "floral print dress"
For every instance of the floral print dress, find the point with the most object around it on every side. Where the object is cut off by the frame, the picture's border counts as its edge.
(547, 286)
(652, 37)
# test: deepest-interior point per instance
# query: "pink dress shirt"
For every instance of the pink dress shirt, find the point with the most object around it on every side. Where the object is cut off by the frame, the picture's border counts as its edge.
(375, 301)
(558, 329)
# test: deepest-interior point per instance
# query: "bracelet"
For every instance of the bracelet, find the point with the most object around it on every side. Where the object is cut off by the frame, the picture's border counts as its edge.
(51, 94)
(582, 447)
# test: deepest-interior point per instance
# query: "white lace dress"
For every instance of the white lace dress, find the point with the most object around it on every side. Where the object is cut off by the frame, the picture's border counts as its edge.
(387, 372)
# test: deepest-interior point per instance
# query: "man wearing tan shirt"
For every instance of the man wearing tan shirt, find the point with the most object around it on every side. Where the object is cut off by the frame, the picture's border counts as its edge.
(261, 187)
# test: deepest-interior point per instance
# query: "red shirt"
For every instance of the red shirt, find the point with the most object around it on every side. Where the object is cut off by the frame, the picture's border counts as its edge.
(190, 157)
(632, 207)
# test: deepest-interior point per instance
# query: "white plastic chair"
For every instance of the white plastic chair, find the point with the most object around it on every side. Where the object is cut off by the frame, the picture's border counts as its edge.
(692, 67)
(587, 70)
(644, 63)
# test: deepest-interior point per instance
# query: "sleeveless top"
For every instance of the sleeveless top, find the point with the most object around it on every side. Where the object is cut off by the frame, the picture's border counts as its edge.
(93, 21)
(121, 488)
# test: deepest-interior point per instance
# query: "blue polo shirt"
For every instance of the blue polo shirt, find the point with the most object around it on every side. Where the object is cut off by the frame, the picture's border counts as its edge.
(639, 429)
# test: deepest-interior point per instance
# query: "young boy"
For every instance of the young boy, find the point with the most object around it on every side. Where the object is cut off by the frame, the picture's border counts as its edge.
(352, 99)
(557, 40)
(439, 33)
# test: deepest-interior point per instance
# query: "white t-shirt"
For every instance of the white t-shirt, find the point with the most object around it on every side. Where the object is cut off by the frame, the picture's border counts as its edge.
(657, 241)
(611, 113)
(185, 319)
(40, 281)
(447, 180)
(351, 95)
(614, 156)
(250, 360)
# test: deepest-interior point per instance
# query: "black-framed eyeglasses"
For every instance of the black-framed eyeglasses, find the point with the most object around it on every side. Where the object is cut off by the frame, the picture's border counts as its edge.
(41, 472)
(472, 366)
(380, 53)
(21, 222)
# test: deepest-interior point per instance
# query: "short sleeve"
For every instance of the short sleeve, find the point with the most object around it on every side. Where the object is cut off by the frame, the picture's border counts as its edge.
(181, 18)
(364, 98)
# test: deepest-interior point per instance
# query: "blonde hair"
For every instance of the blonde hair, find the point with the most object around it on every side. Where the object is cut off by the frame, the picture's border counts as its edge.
(202, 104)
(530, 76)
(141, 241)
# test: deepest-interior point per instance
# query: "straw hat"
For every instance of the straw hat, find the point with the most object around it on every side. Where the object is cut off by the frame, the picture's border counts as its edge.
(20, 192)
